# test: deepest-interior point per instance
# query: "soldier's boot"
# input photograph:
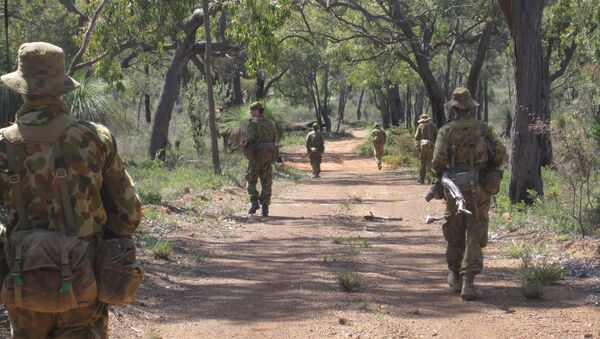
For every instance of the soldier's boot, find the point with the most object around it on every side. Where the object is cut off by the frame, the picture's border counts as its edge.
(254, 206)
(421, 181)
(469, 291)
(379, 165)
(265, 210)
(455, 281)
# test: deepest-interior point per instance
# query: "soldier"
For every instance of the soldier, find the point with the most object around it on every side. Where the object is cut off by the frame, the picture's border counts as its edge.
(471, 154)
(378, 138)
(61, 179)
(259, 146)
(424, 141)
(315, 147)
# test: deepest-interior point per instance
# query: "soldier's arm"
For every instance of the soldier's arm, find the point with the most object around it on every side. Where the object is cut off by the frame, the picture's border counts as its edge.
(498, 149)
(308, 143)
(440, 154)
(120, 201)
(418, 134)
(434, 133)
(321, 144)
(250, 134)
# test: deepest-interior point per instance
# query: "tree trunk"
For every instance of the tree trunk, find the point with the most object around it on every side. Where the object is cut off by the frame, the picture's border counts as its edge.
(408, 107)
(325, 109)
(482, 50)
(236, 84)
(359, 105)
(212, 116)
(486, 102)
(344, 91)
(382, 106)
(524, 19)
(418, 106)
(260, 85)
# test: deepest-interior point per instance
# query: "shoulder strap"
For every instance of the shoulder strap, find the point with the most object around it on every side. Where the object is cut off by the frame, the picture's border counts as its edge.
(60, 173)
(14, 180)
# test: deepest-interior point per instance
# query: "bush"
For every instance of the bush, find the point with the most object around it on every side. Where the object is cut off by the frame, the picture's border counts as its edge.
(534, 277)
(162, 249)
(150, 198)
(349, 281)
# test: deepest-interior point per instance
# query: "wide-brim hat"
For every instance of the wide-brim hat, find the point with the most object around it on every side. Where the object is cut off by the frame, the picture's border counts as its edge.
(461, 99)
(376, 124)
(423, 118)
(41, 71)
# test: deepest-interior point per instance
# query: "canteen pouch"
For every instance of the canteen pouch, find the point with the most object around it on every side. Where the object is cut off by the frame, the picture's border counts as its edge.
(466, 181)
(492, 180)
(119, 275)
(49, 272)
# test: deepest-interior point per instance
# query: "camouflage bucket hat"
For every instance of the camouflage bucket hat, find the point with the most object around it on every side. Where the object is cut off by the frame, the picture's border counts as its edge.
(376, 125)
(41, 71)
(315, 125)
(257, 105)
(461, 99)
(423, 118)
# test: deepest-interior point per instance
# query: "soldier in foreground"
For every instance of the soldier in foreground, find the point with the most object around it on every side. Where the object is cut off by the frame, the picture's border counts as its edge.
(470, 154)
(378, 138)
(315, 147)
(72, 208)
(260, 149)
(425, 142)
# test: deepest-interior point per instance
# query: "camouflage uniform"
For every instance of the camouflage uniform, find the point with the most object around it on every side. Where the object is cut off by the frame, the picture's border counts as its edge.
(102, 193)
(425, 141)
(315, 147)
(467, 144)
(259, 146)
(378, 138)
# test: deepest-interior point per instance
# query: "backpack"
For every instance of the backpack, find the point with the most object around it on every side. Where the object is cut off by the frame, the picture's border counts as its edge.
(50, 270)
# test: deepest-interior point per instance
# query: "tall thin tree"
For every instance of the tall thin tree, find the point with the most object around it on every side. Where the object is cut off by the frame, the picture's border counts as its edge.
(214, 142)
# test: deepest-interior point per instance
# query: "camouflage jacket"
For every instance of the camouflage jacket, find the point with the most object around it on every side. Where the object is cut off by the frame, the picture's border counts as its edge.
(378, 136)
(102, 193)
(426, 131)
(261, 133)
(454, 143)
(315, 140)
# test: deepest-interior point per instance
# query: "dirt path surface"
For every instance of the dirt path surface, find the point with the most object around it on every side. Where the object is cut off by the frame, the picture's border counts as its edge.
(276, 277)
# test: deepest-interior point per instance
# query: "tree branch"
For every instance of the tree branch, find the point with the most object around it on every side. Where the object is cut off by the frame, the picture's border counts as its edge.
(274, 80)
(564, 63)
(86, 39)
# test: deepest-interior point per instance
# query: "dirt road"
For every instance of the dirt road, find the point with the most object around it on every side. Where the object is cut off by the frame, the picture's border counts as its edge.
(276, 277)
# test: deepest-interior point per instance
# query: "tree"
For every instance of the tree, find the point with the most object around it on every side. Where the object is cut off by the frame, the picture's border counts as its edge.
(524, 21)
(211, 99)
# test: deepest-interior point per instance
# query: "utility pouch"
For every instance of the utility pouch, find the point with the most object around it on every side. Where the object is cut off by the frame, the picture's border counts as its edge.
(49, 272)
(492, 180)
(119, 275)
(466, 181)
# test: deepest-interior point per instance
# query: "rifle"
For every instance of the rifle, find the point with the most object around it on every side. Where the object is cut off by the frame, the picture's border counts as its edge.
(453, 190)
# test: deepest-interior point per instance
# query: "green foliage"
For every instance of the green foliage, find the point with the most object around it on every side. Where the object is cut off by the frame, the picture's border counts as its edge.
(91, 101)
(162, 249)
(399, 148)
(533, 277)
(523, 250)
(349, 281)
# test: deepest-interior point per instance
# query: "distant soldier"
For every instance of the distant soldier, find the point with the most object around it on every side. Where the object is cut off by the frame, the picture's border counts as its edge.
(315, 147)
(425, 142)
(70, 204)
(378, 138)
(471, 154)
(259, 146)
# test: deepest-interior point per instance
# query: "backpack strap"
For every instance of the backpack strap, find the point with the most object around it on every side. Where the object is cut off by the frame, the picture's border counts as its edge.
(14, 180)
(60, 173)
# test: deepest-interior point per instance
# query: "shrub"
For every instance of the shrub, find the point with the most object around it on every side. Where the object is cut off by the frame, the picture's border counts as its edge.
(162, 249)
(533, 277)
(349, 281)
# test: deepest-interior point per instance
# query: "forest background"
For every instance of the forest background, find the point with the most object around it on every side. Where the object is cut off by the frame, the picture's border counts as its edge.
(148, 70)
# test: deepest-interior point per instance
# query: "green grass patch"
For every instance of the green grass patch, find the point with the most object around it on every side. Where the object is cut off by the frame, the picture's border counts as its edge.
(338, 240)
(524, 250)
(162, 249)
(533, 277)
(349, 281)
(358, 246)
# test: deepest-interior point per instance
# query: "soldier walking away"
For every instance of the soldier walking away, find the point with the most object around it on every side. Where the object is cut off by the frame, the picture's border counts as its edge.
(68, 197)
(470, 153)
(259, 146)
(378, 138)
(425, 142)
(315, 147)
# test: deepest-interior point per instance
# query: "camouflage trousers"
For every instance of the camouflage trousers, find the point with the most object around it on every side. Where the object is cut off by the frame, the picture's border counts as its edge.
(81, 323)
(260, 168)
(425, 155)
(467, 235)
(315, 162)
(378, 150)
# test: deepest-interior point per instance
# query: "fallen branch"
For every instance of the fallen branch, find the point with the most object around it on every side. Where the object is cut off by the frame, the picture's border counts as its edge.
(372, 217)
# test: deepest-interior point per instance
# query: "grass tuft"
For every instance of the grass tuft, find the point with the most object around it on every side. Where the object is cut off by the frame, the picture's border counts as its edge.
(533, 277)
(162, 249)
(349, 281)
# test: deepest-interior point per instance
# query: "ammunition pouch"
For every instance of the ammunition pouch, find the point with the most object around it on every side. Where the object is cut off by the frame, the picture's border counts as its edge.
(492, 179)
(466, 180)
(49, 272)
(119, 275)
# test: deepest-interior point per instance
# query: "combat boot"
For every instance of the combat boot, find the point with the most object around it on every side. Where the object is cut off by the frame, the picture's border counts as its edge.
(469, 292)
(265, 210)
(455, 281)
(253, 206)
